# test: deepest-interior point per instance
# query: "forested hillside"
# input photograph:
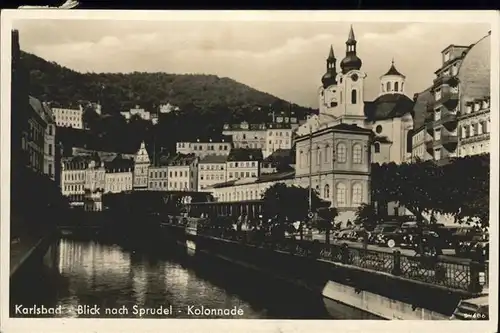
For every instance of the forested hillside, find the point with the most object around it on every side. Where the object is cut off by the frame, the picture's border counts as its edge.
(206, 102)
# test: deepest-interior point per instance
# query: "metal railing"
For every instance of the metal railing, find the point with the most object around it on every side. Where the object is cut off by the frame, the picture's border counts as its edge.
(464, 274)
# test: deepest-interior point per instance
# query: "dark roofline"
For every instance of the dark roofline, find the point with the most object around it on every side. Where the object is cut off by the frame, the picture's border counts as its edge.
(454, 45)
(358, 130)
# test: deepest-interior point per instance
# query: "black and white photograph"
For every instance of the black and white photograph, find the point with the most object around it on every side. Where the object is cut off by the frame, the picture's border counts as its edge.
(272, 170)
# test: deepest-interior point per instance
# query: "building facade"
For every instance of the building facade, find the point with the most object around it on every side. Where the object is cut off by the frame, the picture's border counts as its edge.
(244, 163)
(245, 135)
(33, 140)
(204, 147)
(278, 136)
(73, 173)
(141, 167)
(141, 113)
(51, 148)
(211, 170)
(119, 175)
(183, 172)
(158, 177)
(68, 117)
(457, 116)
(475, 127)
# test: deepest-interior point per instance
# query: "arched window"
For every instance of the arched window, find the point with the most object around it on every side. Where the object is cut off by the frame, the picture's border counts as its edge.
(396, 86)
(357, 154)
(382, 87)
(388, 86)
(327, 191)
(376, 145)
(318, 155)
(357, 194)
(354, 96)
(317, 189)
(341, 195)
(341, 153)
(326, 153)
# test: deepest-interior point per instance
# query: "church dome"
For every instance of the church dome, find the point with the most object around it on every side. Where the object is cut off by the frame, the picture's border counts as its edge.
(388, 106)
(350, 62)
(474, 72)
(328, 79)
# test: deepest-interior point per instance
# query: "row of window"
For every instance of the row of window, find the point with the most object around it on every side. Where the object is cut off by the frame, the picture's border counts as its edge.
(212, 167)
(340, 154)
(477, 106)
(243, 164)
(119, 187)
(180, 185)
(210, 147)
(279, 133)
(390, 87)
(249, 145)
(212, 177)
(73, 188)
(475, 129)
(162, 184)
(242, 174)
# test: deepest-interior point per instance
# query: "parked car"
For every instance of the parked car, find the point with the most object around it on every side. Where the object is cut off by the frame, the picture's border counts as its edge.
(342, 233)
(464, 238)
(474, 246)
(377, 236)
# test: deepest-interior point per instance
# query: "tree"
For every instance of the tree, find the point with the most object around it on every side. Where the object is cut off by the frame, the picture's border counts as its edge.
(366, 216)
(286, 204)
(326, 220)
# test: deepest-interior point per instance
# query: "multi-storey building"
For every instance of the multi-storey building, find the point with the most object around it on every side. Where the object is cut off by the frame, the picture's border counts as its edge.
(183, 172)
(141, 113)
(208, 146)
(211, 170)
(245, 135)
(341, 100)
(280, 160)
(141, 166)
(119, 175)
(336, 162)
(475, 127)
(158, 175)
(420, 136)
(462, 82)
(243, 163)
(65, 117)
(73, 172)
(95, 178)
(278, 136)
(33, 141)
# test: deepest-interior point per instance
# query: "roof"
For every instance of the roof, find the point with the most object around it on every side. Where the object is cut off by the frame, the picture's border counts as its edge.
(244, 126)
(388, 106)
(213, 159)
(41, 109)
(393, 71)
(245, 154)
(351, 128)
(279, 154)
(180, 159)
(474, 72)
(119, 163)
(262, 179)
(219, 138)
(422, 100)
(78, 162)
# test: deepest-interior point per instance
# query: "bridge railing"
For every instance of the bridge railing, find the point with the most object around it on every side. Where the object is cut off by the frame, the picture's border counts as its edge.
(460, 274)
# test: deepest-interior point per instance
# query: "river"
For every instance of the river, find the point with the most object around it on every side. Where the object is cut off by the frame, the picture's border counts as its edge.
(119, 281)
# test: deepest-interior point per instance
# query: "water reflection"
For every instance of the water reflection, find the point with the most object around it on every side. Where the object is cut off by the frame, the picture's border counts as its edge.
(91, 273)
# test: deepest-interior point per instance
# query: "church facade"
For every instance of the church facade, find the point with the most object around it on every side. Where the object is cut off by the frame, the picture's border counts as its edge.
(342, 100)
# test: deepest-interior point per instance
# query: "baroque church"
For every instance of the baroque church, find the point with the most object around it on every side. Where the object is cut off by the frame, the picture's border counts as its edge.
(341, 101)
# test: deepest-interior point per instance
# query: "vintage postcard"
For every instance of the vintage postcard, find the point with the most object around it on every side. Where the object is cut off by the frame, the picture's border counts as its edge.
(249, 171)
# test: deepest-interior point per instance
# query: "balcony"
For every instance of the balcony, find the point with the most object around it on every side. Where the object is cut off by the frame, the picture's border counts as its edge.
(447, 96)
(429, 126)
(429, 146)
(449, 120)
(445, 80)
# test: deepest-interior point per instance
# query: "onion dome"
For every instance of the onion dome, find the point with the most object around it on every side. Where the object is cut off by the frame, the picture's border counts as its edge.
(351, 60)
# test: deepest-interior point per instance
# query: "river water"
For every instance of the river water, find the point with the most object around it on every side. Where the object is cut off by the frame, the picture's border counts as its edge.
(120, 281)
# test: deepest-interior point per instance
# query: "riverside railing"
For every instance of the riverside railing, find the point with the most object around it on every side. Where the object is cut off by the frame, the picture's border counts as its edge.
(452, 273)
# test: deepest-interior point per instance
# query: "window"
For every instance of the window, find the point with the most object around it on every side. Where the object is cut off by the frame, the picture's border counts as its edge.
(326, 193)
(376, 145)
(50, 169)
(326, 153)
(318, 156)
(388, 86)
(341, 195)
(396, 86)
(484, 127)
(437, 134)
(341, 153)
(50, 149)
(382, 87)
(357, 155)
(357, 194)
(378, 129)
(437, 154)
(354, 96)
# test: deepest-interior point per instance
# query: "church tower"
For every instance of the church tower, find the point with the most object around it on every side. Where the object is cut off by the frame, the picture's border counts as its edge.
(392, 82)
(351, 84)
(328, 94)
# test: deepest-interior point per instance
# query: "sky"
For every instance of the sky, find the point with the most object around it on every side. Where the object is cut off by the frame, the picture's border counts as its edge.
(286, 59)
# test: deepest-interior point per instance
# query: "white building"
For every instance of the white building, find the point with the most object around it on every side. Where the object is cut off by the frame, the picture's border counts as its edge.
(243, 163)
(475, 128)
(119, 175)
(158, 175)
(141, 166)
(73, 171)
(211, 170)
(183, 173)
(249, 189)
(247, 135)
(95, 183)
(204, 147)
(278, 136)
(341, 100)
(49, 165)
(68, 117)
(142, 113)
(167, 108)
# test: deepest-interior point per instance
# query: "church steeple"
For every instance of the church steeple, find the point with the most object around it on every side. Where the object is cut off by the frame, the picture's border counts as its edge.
(392, 82)
(351, 60)
(330, 77)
